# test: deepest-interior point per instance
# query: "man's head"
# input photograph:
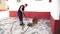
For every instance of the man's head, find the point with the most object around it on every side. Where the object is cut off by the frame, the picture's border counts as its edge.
(25, 5)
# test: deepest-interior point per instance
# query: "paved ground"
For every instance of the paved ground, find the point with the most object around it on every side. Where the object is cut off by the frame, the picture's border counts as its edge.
(11, 26)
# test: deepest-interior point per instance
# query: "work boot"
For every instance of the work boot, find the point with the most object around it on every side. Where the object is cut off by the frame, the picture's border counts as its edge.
(22, 24)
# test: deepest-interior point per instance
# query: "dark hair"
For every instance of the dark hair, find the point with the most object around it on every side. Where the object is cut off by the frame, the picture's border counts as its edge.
(26, 4)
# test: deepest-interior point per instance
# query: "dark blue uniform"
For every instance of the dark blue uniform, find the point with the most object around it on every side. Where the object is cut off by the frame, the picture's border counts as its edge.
(20, 13)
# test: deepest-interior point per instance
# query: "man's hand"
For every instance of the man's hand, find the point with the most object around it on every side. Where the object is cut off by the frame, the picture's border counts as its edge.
(24, 13)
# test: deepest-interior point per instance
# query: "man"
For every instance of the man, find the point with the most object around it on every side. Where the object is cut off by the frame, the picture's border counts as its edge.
(20, 12)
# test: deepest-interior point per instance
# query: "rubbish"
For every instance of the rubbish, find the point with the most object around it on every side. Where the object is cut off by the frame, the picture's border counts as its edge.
(34, 21)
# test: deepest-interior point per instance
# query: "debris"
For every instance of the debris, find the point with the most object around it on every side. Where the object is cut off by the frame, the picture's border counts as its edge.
(34, 21)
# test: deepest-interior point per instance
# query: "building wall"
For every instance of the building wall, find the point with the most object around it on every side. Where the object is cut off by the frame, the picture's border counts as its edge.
(4, 14)
(33, 5)
(37, 6)
(55, 9)
(3, 5)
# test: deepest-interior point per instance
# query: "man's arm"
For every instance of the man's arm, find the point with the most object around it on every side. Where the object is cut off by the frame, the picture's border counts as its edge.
(21, 9)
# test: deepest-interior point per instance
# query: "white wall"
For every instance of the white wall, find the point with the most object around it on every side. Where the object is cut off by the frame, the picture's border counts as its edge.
(55, 9)
(4, 14)
(39, 6)
(33, 5)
